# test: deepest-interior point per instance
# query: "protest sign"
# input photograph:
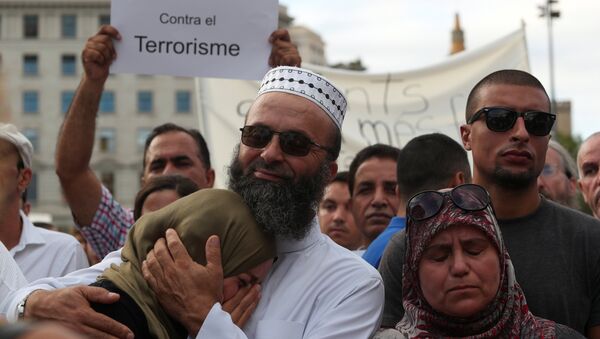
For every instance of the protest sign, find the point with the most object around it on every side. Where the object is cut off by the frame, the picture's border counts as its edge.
(224, 38)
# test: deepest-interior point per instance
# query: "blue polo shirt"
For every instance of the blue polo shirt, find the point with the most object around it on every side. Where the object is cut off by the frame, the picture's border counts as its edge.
(375, 250)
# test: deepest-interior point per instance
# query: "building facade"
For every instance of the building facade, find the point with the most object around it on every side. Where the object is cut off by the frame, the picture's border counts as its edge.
(40, 46)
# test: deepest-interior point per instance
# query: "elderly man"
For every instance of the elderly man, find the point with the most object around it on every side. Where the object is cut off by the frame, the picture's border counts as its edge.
(588, 162)
(373, 189)
(558, 180)
(169, 149)
(335, 214)
(40, 253)
(554, 249)
(316, 289)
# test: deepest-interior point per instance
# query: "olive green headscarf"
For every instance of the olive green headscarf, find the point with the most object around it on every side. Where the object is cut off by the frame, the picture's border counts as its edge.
(195, 218)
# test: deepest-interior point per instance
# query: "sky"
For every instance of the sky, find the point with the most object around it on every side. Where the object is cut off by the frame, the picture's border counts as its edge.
(400, 35)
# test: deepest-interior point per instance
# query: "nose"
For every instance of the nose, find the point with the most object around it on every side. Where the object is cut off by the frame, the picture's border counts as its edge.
(338, 214)
(458, 266)
(272, 152)
(170, 168)
(379, 198)
(519, 132)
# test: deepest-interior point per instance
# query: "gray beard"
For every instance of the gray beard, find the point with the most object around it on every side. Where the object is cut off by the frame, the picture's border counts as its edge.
(284, 209)
(518, 181)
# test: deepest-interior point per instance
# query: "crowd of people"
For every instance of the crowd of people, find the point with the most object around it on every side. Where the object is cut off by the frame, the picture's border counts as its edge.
(409, 243)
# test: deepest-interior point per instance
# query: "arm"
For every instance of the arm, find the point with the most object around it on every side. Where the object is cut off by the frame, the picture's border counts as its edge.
(85, 276)
(76, 139)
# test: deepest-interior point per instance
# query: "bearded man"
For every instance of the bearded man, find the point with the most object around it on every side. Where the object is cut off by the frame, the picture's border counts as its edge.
(315, 289)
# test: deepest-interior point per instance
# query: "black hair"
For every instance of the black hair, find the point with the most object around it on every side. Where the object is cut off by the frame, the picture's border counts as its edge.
(380, 151)
(429, 162)
(180, 184)
(203, 154)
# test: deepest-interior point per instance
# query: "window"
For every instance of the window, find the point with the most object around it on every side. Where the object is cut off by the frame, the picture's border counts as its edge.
(183, 102)
(33, 136)
(69, 64)
(30, 102)
(66, 97)
(142, 135)
(30, 64)
(107, 142)
(69, 25)
(108, 180)
(104, 19)
(107, 102)
(145, 102)
(30, 26)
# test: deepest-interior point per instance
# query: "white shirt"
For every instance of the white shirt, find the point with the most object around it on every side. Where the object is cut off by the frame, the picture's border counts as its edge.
(11, 277)
(42, 253)
(316, 289)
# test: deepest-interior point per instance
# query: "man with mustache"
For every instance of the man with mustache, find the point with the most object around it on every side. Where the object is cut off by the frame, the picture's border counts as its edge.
(373, 189)
(554, 249)
(315, 289)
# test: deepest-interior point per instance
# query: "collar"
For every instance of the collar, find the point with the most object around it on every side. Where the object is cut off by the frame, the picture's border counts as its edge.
(30, 235)
(286, 245)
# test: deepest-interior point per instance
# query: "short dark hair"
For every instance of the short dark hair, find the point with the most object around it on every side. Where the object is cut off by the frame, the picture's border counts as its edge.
(374, 151)
(180, 184)
(341, 177)
(429, 162)
(502, 77)
(203, 154)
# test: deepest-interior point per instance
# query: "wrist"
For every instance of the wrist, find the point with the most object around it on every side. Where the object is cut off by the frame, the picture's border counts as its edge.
(196, 319)
(24, 306)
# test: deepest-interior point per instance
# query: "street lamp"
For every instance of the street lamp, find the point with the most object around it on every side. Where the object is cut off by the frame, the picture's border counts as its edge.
(549, 13)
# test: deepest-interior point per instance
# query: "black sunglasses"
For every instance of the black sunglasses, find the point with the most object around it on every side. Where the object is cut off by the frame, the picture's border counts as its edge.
(469, 197)
(291, 142)
(500, 119)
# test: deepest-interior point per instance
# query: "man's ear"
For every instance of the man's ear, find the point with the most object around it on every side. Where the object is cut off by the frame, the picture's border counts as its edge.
(465, 136)
(333, 168)
(24, 179)
(457, 179)
(210, 177)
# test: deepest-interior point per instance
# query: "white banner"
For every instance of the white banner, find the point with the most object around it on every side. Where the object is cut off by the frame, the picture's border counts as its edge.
(389, 108)
(225, 38)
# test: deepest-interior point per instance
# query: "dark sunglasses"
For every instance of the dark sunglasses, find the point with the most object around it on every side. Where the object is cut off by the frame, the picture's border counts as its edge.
(469, 197)
(292, 143)
(500, 119)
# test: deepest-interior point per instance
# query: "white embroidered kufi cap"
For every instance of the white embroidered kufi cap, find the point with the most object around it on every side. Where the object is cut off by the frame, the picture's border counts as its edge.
(307, 84)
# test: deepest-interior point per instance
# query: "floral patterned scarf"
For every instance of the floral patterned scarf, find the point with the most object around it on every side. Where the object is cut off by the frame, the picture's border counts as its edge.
(507, 316)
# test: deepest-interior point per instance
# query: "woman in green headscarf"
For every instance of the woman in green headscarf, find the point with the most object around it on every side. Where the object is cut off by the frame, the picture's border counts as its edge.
(244, 248)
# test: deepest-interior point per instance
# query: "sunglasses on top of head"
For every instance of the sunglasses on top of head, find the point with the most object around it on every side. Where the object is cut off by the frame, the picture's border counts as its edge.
(291, 142)
(501, 119)
(468, 197)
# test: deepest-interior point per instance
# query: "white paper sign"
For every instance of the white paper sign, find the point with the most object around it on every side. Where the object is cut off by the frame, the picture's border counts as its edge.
(207, 38)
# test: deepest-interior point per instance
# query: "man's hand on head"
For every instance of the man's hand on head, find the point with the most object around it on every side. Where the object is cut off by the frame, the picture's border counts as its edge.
(284, 52)
(71, 307)
(185, 289)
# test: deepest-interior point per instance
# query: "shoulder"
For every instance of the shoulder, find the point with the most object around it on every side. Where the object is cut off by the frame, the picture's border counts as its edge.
(56, 238)
(570, 218)
(564, 332)
(341, 258)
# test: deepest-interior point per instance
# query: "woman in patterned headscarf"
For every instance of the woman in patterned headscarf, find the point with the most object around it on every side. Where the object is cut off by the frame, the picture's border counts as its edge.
(458, 279)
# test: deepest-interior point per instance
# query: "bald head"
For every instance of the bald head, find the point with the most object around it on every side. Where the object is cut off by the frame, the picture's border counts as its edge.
(588, 163)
